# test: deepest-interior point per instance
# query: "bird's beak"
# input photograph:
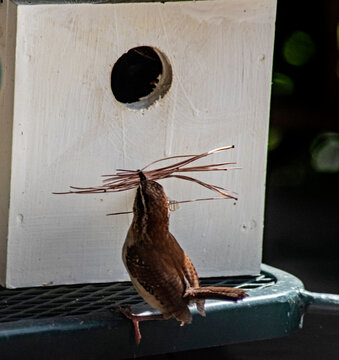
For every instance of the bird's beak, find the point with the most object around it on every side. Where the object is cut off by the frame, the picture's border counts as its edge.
(142, 176)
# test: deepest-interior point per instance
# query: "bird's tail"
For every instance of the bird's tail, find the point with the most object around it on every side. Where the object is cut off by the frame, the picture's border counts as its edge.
(213, 292)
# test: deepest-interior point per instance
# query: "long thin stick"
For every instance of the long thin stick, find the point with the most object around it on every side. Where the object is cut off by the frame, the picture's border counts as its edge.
(124, 179)
(173, 203)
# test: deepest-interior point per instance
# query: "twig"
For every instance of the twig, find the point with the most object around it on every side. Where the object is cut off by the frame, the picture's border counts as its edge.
(125, 179)
(173, 203)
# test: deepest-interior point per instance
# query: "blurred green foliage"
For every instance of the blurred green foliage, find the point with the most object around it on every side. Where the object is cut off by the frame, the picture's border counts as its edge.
(282, 85)
(299, 48)
(274, 139)
(325, 153)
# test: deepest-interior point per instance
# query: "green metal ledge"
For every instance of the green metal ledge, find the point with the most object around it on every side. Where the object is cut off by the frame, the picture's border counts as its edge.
(79, 321)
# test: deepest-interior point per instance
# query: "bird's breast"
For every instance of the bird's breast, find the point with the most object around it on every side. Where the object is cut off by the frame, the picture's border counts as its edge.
(151, 299)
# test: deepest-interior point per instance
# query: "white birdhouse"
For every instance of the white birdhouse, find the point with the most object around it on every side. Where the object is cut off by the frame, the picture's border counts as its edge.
(90, 86)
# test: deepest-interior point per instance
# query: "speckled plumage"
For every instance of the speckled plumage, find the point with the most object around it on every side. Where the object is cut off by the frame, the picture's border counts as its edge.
(159, 268)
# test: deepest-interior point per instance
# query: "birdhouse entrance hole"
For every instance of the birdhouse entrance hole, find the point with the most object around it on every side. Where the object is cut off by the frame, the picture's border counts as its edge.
(140, 77)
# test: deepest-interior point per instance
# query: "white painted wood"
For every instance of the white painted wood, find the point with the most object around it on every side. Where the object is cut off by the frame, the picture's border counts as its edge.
(7, 62)
(68, 130)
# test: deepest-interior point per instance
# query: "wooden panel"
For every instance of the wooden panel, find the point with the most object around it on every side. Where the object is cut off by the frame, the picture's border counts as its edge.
(7, 63)
(68, 130)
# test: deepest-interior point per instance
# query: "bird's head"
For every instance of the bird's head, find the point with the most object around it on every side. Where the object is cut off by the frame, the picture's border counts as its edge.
(150, 202)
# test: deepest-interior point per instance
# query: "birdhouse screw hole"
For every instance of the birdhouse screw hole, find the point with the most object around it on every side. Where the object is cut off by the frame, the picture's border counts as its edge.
(140, 77)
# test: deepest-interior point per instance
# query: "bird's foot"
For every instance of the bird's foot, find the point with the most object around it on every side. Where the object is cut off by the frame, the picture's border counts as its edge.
(137, 318)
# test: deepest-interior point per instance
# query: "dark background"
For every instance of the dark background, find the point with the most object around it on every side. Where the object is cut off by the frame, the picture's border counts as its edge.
(302, 199)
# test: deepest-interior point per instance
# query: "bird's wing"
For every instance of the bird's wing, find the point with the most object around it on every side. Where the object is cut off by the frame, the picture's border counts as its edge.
(190, 273)
(155, 271)
(187, 267)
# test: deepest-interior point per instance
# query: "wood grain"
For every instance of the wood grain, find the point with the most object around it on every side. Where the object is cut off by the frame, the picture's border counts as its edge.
(68, 130)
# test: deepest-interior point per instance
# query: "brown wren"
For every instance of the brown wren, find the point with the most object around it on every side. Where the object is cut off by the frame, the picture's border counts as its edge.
(159, 268)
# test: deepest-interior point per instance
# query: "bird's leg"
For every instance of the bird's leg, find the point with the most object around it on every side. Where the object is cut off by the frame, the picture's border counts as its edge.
(137, 318)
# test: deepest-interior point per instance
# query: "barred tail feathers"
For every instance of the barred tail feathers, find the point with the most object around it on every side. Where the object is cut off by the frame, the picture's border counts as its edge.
(216, 293)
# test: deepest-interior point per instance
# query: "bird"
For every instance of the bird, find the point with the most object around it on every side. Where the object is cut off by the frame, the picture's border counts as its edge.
(159, 268)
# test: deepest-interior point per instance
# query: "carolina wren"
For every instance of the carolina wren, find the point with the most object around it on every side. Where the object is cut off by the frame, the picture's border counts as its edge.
(159, 268)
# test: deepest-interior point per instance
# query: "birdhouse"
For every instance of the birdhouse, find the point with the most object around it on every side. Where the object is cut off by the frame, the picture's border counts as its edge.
(87, 87)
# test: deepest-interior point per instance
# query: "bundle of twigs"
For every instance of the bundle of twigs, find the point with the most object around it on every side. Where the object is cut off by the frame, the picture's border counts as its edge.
(128, 179)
